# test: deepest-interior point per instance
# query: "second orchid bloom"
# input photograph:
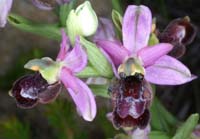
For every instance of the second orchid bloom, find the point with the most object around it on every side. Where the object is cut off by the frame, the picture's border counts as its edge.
(68, 62)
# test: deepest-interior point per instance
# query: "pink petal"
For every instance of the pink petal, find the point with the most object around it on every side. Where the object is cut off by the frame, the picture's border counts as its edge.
(168, 71)
(114, 49)
(81, 94)
(141, 133)
(136, 27)
(76, 60)
(105, 30)
(5, 6)
(150, 54)
(64, 46)
(111, 62)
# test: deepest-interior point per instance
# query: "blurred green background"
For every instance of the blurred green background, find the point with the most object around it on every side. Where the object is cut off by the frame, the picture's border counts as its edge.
(59, 120)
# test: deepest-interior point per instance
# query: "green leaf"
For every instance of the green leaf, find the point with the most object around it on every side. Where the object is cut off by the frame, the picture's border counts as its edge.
(161, 119)
(97, 59)
(45, 30)
(14, 129)
(158, 135)
(62, 117)
(117, 20)
(64, 11)
(184, 131)
(100, 90)
(117, 6)
(122, 136)
(88, 72)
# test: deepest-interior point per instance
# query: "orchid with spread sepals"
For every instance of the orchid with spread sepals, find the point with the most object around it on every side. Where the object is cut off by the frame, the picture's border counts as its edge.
(68, 63)
(152, 61)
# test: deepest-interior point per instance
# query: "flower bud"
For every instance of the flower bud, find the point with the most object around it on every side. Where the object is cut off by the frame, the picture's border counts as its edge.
(82, 21)
(31, 89)
(179, 32)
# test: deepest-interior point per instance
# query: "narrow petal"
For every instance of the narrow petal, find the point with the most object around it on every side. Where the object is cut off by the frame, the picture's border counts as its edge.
(111, 62)
(64, 46)
(5, 6)
(136, 27)
(105, 30)
(168, 71)
(76, 60)
(150, 54)
(114, 49)
(44, 4)
(81, 94)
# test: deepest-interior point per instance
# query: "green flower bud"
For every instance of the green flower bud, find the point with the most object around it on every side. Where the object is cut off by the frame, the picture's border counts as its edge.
(82, 21)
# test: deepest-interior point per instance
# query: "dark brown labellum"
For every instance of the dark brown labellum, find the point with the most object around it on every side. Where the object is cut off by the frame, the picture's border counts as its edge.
(131, 97)
(130, 122)
(31, 89)
(180, 32)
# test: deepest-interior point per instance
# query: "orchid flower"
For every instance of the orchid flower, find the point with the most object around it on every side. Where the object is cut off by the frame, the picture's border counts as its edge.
(5, 6)
(62, 70)
(152, 61)
(135, 64)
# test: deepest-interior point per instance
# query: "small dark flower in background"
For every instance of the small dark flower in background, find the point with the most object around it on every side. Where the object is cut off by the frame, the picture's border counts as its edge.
(180, 32)
(131, 98)
(31, 89)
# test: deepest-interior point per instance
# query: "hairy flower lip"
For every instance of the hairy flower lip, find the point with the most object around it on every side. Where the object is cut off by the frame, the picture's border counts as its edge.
(131, 98)
(130, 122)
(30, 89)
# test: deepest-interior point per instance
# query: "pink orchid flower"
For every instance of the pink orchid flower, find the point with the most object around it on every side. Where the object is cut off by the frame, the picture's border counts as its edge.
(31, 89)
(159, 68)
(75, 61)
(5, 6)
